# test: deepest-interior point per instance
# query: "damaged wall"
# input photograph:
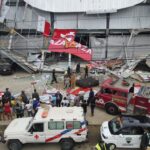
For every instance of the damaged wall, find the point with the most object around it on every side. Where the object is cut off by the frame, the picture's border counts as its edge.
(139, 46)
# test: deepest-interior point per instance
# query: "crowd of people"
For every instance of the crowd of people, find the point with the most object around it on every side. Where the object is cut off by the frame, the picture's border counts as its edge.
(70, 76)
(11, 107)
(78, 101)
(21, 106)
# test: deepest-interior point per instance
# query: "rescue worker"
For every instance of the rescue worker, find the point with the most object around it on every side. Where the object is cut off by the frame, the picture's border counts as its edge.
(144, 140)
(101, 146)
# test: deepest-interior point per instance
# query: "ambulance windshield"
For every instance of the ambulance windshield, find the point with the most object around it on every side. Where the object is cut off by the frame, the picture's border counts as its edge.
(29, 124)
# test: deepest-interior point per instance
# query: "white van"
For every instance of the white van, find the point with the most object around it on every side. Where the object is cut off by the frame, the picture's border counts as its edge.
(124, 131)
(64, 125)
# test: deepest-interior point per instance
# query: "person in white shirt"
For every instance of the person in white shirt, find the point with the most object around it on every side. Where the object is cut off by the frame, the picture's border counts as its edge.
(65, 102)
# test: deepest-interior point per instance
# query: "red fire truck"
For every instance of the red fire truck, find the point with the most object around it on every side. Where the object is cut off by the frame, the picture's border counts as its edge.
(114, 97)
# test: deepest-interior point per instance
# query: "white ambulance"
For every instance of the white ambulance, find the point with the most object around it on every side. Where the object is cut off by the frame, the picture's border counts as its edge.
(64, 125)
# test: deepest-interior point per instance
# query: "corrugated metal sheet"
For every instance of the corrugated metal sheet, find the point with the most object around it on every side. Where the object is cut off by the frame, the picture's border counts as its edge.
(132, 18)
(138, 48)
(88, 6)
(29, 21)
(79, 21)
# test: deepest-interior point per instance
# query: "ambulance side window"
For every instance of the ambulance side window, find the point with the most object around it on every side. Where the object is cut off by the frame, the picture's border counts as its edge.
(37, 127)
(73, 125)
(56, 125)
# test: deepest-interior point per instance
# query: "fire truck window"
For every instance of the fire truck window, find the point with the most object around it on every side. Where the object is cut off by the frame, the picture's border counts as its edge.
(107, 91)
(122, 94)
(114, 92)
(56, 125)
(38, 127)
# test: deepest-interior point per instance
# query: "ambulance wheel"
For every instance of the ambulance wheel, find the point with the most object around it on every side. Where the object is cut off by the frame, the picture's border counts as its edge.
(67, 144)
(111, 109)
(111, 146)
(14, 145)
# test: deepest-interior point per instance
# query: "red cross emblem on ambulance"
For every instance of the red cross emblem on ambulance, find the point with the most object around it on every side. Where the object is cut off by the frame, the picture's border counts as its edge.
(36, 137)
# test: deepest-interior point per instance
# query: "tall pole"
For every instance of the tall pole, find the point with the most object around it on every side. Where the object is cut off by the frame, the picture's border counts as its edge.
(52, 21)
(107, 34)
(69, 60)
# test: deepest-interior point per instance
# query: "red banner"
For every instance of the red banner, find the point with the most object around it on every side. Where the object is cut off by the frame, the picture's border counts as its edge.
(47, 28)
(63, 41)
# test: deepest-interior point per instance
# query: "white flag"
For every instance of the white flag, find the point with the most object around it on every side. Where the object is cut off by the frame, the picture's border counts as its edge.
(41, 24)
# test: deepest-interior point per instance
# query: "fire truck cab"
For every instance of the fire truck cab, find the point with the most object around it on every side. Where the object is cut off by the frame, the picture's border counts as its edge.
(114, 97)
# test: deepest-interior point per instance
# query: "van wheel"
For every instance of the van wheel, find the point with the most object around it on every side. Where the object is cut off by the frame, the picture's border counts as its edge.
(111, 109)
(67, 144)
(14, 145)
(111, 146)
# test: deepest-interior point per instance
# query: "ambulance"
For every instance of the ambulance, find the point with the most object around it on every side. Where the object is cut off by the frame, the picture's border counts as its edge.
(64, 125)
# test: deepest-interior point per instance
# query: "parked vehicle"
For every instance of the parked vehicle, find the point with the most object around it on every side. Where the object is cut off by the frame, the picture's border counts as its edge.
(5, 67)
(115, 98)
(64, 125)
(124, 131)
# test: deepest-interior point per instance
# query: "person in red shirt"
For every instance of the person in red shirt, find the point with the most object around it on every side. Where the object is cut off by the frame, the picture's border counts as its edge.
(7, 110)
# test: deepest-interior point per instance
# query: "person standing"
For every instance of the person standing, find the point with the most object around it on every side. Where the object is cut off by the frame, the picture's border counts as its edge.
(35, 94)
(36, 105)
(77, 100)
(91, 96)
(73, 80)
(131, 93)
(144, 140)
(86, 72)
(84, 106)
(29, 109)
(53, 77)
(7, 95)
(24, 97)
(92, 104)
(101, 146)
(19, 111)
(58, 96)
(7, 110)
(78, 68)
(65, 102)
(66, 82)
(1, 111)
(69, 71)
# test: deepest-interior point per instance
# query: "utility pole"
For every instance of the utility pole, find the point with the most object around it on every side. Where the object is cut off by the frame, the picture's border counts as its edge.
(107, 33)
(52, 21)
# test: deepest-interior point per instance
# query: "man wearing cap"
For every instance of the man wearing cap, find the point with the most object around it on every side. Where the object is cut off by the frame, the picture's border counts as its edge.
(58, 96)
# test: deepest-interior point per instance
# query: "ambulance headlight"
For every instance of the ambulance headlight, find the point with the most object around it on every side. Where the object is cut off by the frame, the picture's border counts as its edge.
(105, 137)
